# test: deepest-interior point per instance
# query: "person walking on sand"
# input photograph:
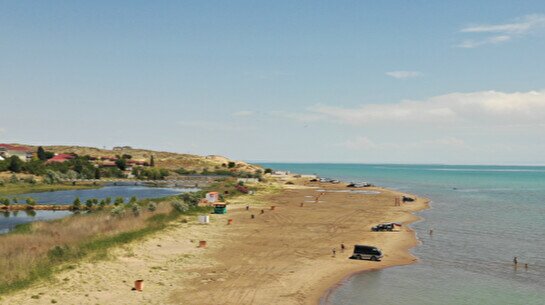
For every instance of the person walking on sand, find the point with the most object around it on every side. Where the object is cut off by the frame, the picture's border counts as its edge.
(334, 252)
(515, 261)
(342, 247)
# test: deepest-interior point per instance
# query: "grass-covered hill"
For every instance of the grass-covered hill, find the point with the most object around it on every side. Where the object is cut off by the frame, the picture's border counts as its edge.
(168, 160)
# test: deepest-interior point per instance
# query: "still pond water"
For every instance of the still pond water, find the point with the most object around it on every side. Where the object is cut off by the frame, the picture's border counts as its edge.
(8, 220)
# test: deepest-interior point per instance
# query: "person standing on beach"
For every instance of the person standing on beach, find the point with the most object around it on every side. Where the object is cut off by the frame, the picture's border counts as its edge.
(515, 261)
(334, 252)
(342, 247)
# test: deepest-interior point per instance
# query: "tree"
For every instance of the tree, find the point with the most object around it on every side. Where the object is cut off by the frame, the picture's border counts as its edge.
(76, 204)
(15, 164)
(152, 161)
(121, 164)
(89, 203)
(97, 173)
(41, 154)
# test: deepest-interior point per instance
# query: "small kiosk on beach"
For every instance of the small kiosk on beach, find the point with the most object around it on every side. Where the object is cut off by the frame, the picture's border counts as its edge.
(220, 208)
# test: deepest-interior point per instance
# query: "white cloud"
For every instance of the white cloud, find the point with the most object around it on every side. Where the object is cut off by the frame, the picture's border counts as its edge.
(498, 33)
(243, 113)
(471, 43)
(299, 117)
(490, 108)
(403, 74)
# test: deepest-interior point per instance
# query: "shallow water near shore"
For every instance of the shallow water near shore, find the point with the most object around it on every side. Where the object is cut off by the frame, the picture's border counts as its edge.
(8, 220)
(481, 216)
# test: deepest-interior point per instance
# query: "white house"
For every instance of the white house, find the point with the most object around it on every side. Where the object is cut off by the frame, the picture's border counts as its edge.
(212, 197)
(24, 153)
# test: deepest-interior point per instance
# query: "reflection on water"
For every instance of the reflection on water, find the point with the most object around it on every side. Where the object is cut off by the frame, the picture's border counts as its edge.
(11, 219)
(67, 197)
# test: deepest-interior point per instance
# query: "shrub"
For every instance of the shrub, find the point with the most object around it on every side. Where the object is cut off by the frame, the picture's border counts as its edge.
(30, 201)
(108, 200)
(58, 253)
(231, 164)
(135, 209)
(30, 180)
(51, 177)
(72, 174)
(133, 200)
(102, 204)
(191, 199)
(268, 171)
(118, 211)
(119, 200)
(179, 206)
(13, 178)
(14, 200)
(4, 201)
(89, 203)
(152, 206)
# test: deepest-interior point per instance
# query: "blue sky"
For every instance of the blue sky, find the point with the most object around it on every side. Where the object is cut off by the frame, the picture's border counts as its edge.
(323, 81)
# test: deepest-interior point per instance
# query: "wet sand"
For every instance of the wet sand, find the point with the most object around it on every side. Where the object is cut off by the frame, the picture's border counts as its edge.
(283, 256)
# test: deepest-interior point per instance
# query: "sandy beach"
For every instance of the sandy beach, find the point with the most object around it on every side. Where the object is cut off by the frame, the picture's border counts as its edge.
(282, 256)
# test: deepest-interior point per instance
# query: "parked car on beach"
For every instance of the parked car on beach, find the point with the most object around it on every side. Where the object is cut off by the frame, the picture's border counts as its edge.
(383, 227)
(367, 252)
(362, 184)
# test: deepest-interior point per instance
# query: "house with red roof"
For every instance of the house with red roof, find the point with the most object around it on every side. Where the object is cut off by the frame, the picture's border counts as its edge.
(60, 158)
(24, 153)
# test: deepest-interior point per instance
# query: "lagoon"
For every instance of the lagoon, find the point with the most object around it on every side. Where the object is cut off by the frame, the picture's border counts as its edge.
(8, 220)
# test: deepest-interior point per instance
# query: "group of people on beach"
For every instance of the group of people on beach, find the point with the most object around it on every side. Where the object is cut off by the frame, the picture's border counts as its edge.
(334, 250)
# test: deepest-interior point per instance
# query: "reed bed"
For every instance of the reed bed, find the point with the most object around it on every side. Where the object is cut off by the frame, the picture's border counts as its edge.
(34, 251)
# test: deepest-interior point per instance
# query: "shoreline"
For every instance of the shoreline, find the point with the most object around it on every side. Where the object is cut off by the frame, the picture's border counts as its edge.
(323, 299)
(282, 256)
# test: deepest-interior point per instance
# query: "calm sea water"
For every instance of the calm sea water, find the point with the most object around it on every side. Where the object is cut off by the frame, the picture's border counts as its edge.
(482, 216)
(8, 220)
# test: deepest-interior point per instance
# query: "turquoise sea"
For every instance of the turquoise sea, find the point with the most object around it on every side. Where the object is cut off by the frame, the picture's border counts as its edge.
(482, 217)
